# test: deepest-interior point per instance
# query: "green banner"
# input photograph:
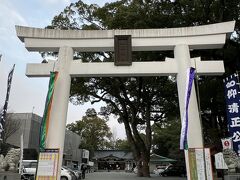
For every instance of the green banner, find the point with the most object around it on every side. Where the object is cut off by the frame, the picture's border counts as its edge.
(47, 111)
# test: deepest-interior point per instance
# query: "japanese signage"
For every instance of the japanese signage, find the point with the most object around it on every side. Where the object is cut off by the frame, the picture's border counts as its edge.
(123, 50)
(233, 112)
(85, 153)
(47, 164)
(192, 164)
(219, 161)
(227, 143)
(200, 164)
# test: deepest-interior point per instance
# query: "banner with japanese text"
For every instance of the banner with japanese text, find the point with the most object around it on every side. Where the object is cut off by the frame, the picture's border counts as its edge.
(232, 97)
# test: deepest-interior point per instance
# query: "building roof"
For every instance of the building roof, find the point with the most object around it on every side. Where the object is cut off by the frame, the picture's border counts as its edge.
(157, 158)
(121, 154)
(116, 153)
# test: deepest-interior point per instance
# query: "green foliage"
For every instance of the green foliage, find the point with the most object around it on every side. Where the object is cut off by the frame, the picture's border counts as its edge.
(94, 131)
(166, 140)
(122, 144)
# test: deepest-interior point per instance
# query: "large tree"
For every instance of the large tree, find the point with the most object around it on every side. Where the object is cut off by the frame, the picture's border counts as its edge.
(11, 126)
(93, 130)
(139, 101)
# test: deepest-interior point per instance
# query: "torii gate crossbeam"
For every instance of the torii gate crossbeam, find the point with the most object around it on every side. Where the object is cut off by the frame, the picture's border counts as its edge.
(106, 69)
(180, 40)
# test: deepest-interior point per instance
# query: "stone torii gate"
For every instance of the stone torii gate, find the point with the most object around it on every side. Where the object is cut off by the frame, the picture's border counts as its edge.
(180, 40)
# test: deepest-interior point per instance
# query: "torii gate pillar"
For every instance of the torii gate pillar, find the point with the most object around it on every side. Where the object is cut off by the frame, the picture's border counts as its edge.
(57, 124)
(195, 138)
(182, 56)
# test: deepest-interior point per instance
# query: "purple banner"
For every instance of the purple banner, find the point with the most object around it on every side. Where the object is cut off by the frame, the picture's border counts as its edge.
(232, 98)
(184, 130)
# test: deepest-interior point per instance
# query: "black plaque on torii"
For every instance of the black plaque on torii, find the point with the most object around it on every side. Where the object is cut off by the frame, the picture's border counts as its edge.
(123, 50)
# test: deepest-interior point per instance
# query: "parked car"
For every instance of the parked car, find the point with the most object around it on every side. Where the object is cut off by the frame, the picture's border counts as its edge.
(174, 171)
(29, 169)
(159, 169)
(67, 174)
(77, 173)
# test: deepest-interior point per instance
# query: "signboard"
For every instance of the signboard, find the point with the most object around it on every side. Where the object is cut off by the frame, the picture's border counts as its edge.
(90, 163)
(227, 143)
(232, 98)
(219, 161)
(192, 164)
(48, 164)
(123, 50)
(200, 164)
(208, 164)
(85, 154)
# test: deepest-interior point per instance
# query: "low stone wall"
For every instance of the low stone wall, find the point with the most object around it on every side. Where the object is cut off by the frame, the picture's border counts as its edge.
(232, 177)
(9, 176)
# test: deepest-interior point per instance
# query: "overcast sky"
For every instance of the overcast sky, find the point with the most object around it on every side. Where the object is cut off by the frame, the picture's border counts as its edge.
(28, 94)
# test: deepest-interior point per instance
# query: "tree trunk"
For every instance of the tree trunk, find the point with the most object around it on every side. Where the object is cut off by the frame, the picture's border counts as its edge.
(145, 167)
(139, 168)
(140, 149)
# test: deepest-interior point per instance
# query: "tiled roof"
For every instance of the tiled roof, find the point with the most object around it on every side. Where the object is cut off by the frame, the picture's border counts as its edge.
(157, 158)
(128, 155)
(116, 153)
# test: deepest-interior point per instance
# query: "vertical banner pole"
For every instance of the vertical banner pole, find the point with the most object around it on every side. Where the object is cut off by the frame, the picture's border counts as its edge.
(21, 154)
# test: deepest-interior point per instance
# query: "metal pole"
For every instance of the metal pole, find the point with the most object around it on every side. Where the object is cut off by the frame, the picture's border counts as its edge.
(200, 117)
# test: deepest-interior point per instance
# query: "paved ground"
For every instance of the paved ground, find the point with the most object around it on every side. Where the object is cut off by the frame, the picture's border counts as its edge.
(124, 176)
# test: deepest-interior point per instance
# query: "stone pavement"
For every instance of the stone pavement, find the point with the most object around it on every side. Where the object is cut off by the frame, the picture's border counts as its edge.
(125, 176)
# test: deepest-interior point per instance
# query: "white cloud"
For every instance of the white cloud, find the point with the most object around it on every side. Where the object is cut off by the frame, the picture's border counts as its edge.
(9, 15)
(8, 39)
(56, 2)
(22, 96)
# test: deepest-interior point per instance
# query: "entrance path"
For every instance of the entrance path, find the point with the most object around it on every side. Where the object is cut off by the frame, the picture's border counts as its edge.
(125, 176)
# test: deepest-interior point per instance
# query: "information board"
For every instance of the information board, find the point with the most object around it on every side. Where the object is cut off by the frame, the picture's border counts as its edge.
(200, 164)
(219, 161)
(48, 164)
